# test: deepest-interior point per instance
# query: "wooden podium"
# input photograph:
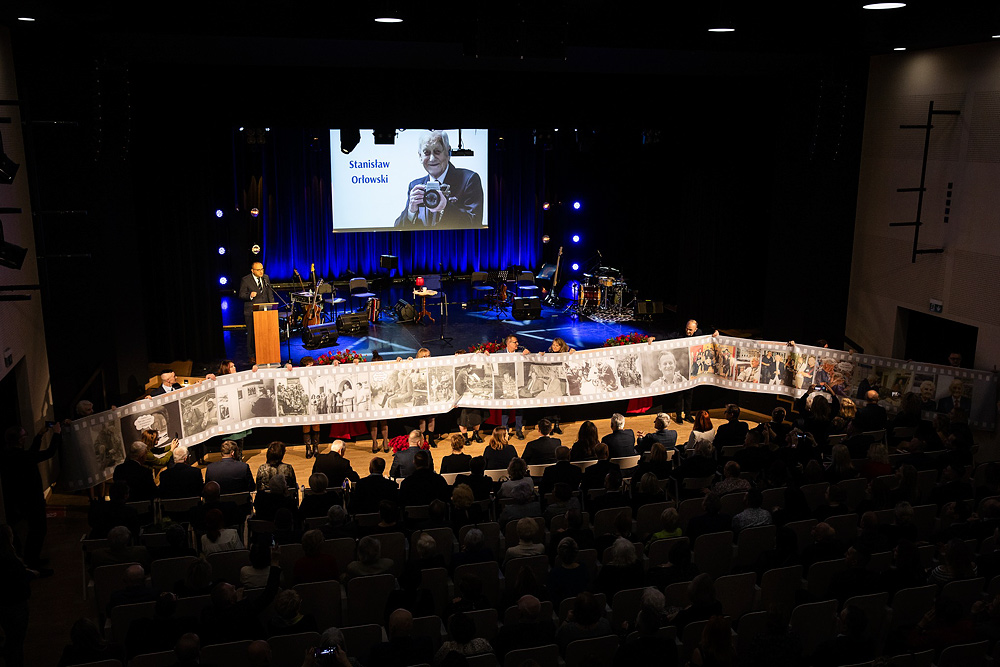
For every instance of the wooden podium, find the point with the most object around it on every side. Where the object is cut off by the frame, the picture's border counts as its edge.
(265, 332)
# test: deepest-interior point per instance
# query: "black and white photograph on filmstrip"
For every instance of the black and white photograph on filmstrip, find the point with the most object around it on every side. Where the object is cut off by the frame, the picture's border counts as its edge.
(440, 384)
(474, 381)
(165, 419)
(292, 395)
(544, 380)
(629, 369)
(199, 412)
(591, 376)
(105, 440)
(505, 381)
(662, 369)
(256, 399)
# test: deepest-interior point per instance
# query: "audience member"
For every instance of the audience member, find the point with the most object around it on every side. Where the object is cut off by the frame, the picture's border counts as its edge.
(315, 565)
(217, 537)
(230, 472)
(481, 485)
(402, 461)
(621, 440)
(134, 472)
(623, 570)
(663, 435)
(585, 620)
(423, 485)
(733, 432)
(586, 443)
(335, 466)
(529, 541)
(499, 451)
(182, 480)
(563, 471)
(754, 515)
(403, 648)
(456, 461)
(542, 450)
(369, 560)
(373, 489)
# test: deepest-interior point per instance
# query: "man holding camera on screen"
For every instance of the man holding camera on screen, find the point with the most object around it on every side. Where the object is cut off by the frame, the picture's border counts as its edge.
(447, 197)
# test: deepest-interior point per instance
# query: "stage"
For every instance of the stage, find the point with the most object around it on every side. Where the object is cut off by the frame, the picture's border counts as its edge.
(466, 323)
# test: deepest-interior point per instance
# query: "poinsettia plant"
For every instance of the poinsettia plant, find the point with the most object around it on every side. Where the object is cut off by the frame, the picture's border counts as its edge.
(634, 338)
(339, 357)
(490, 347)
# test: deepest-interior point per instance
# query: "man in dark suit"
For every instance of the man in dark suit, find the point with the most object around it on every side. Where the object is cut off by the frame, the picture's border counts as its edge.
(181, 481)
(662, 435)
(423, 485)
(621, 440)
(230, 472)
(562, 471)
(447, 197)
(541, 450)
(593, 476)
(254, 288)
(373, 489)
(956, 399)
(335, 466)
(402, 461)
(138, 476)
(168, 383)
(872, 417)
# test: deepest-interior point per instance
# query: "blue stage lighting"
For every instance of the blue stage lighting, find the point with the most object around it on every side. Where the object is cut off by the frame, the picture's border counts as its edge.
(222, 250)
(576, 238)
(218, 213)
(576, 206)
(576, 267)
(223, 280)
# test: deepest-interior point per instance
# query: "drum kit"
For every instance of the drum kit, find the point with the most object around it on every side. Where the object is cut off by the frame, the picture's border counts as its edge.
(604, 296)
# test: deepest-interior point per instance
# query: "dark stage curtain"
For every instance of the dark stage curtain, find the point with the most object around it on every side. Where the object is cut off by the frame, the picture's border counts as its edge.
(288, 179)
(176, 194)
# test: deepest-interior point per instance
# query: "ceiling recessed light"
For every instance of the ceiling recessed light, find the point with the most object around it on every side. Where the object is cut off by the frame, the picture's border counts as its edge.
(884, 5)
(899, 48)
(722, 29)
(25, 18)
(996, 36)
(388, 19)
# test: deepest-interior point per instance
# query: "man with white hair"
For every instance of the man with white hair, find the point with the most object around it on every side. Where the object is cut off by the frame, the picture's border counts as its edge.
(621, 440)
(447, 197)
(138, 476)
(662, 435)
(182, 480)
(335, 466)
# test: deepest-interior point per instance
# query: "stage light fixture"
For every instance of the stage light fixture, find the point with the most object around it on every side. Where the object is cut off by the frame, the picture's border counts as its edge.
(223, 280)
(25, 18)
(545, 206)
(576, 267)
(899, 48)
(255, 249)
(222, 250)
(254, 212)
(8, 168)
(576, 206)
(218, 213)
(884, 5)
(546, 239)
(722, 29)
(225, 304)
(12, 256)
(576, 238)
(349, 140)
(241, 128)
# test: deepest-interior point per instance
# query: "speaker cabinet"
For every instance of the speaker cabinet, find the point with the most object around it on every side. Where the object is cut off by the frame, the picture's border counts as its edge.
(352, 324)
(527, 308)
(319, 335)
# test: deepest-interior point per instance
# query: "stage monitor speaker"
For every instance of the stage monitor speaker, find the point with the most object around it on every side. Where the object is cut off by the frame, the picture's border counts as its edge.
(352, 324)
(319, 335)
(388, 262)
(649, 307)
(527, 308)
(404, 311)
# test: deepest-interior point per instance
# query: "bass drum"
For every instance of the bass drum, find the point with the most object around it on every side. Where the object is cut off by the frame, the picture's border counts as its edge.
(590, 293)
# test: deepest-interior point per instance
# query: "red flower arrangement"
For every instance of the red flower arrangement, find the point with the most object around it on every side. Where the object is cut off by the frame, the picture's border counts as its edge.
(401, 442)
(634, 338)
(339, 356)
(491, 347)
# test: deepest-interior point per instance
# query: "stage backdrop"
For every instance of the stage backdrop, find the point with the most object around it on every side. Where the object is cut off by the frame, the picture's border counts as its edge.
(390, 390)
(288, 179)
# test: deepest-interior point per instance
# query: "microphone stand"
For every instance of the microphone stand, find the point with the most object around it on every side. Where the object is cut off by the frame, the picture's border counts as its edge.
(288, 320)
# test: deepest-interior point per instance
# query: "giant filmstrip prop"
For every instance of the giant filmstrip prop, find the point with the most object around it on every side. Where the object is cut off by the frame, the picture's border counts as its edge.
(390, 390)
